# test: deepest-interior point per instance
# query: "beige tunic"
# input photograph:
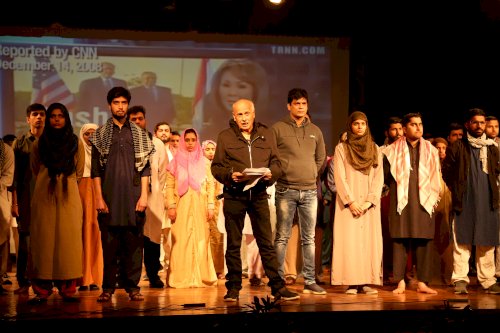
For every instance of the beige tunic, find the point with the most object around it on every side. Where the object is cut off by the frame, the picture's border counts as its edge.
(357, 244)
(6, 179)
(155, 212)
(56, 223)
(191, 263)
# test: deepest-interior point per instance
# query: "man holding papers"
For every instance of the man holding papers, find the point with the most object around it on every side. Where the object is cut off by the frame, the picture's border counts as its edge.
(248, 144)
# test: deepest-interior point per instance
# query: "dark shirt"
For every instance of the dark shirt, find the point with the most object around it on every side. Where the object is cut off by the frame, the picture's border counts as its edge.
(24, 181)
(121, 183)
(414, 221)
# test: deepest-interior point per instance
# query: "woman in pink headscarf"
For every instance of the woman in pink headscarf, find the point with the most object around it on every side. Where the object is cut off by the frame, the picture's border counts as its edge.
(190, 203)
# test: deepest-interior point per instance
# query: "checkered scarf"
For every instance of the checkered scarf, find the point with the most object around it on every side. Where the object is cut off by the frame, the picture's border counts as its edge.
(482, 143)
(429, 173)
(143, 146)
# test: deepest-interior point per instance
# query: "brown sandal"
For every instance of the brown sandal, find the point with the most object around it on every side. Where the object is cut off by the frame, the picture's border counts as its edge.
(104, 297)
(136, 296)
(290, 280)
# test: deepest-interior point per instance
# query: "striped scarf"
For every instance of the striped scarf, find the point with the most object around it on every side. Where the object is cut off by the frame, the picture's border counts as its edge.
(429, 173)
(143, 146)
(482, 143)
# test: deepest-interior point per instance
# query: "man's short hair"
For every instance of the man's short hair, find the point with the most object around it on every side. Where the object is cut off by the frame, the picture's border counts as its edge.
(469, 114)
(407, 117)
(35, 107)
(455, 126)
(116, 92)
(393, 120)
(161, 123)
(297, 93)
(136, 109)
(9, 138)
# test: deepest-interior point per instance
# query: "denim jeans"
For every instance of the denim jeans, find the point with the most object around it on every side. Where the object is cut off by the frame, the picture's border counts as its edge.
(305, 203)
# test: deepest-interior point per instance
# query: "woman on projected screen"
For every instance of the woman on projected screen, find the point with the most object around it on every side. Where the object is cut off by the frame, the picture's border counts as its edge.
(234, 79)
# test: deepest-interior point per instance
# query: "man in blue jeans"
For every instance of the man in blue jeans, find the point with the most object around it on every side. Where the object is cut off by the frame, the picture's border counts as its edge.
(302, 154)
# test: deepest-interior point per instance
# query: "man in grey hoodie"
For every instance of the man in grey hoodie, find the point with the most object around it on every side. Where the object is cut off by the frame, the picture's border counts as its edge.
(302, 154)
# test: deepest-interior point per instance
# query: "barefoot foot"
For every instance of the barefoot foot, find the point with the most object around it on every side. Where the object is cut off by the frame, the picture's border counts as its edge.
(401, 287)
(423, 288)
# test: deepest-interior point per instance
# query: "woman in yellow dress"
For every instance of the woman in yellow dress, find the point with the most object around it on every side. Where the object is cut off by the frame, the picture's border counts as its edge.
(190, 203)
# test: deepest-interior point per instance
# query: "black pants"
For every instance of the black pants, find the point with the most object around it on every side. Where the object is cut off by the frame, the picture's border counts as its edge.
(124, 244)
(423, 251)
(22, 259)
(151, 259)
(235, 209)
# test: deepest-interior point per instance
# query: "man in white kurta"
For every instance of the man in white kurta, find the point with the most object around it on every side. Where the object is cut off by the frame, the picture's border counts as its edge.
(155, 210)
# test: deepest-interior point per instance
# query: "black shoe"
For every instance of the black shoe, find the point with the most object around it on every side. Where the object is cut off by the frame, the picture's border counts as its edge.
(285, 295)
(157, 284)
(232, 295)
(70, 299)
(37, 300)
(256, 282)
(24, 290)
(83, 288)
(93, 287)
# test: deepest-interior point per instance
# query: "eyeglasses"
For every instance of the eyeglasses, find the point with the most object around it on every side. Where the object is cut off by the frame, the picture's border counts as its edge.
(480, 123)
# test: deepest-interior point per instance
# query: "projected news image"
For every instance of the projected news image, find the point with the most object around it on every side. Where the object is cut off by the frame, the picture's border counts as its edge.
(186, 83)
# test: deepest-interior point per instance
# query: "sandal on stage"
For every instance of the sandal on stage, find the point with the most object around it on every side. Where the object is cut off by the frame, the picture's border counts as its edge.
(352, 290)
(290, 280)
(367, 290)
(104, 297)
(136, 296)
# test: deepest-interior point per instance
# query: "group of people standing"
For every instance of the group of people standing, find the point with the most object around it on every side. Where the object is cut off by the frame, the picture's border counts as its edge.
(102, 183)
(92, 209)
(462, 180)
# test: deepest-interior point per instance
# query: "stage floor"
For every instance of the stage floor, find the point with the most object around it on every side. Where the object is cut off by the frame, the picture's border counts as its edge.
(204, 308)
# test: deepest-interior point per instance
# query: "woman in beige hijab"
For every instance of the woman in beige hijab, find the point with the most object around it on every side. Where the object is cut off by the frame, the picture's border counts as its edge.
(357, 244)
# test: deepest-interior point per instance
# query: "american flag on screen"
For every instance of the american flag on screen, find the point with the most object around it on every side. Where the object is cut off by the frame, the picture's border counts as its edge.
(48, 87)
(202, 87)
